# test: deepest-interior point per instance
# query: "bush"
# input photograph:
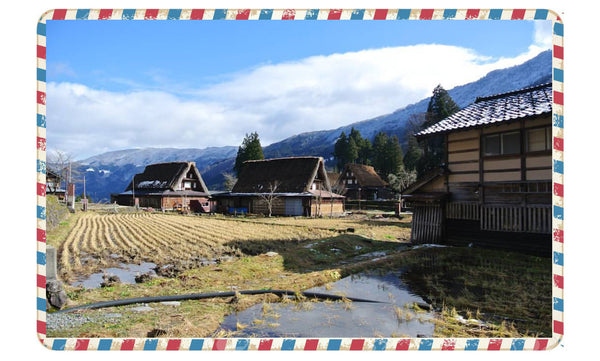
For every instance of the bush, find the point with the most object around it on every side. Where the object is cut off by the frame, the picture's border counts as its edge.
(55, 212)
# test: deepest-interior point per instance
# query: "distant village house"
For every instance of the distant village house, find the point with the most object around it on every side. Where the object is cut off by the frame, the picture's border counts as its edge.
(359, 181)
(495, 188)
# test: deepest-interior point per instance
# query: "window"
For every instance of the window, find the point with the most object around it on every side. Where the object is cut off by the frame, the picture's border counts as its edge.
(503, 143)
(539, 139)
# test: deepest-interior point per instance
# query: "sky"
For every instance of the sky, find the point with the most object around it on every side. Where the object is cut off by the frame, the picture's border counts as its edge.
(116, 85)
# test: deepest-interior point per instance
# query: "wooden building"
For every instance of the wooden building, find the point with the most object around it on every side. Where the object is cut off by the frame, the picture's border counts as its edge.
(360, 181)
(167, 186)
(295, 186)
(495, 186)
(54, 183)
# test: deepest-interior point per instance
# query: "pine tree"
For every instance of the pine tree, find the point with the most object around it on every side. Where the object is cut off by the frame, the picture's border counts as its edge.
(413, 153)
(395, 156)
(379, 151)
(340, 151)
(249, 150)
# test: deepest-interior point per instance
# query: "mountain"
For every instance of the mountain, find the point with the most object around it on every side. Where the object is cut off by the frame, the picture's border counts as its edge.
(111, 172)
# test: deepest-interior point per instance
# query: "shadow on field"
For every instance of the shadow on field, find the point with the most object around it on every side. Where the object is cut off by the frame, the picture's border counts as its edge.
(319, 254)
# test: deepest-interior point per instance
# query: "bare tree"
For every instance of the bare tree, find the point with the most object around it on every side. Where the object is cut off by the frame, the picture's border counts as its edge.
(230, 181)
(270, 196)
(63, 164)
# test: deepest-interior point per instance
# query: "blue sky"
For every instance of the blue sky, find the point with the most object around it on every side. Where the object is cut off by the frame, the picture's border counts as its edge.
(279, 78)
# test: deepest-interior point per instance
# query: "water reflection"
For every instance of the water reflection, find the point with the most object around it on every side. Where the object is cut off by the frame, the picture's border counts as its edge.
(126, 273)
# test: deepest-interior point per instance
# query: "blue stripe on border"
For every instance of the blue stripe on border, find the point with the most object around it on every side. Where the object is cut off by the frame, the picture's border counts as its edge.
(41, 29)
(311, 14)
(559, 212)
(41, 166)
(82, 14)
(59, 344)
(517, 345)
(334, 344)
(558, 74)
(558, 29)
(472, 345)
(558, 258)
(449, 13)
(41, 212)
(196, 345)
(220, 14)
(357, 14)
(558, 304)
(174, 14)
(41, 74)
(242, 344)
(265, 14)
(128, 14)
(104, 345)
(558, 166)
(495, 14)
(558, 120)
(41, 304)
(41, 258)
(426, 345)
(288, 345)
(151, 344)
(403, 14)
(541, 14)
(379, 344)
(41, 120)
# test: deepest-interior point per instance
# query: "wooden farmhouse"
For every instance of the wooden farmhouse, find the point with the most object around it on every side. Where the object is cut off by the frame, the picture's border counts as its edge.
(495, 186)
(360, 181)
(53, 184)
(173, 185)
(295, 186)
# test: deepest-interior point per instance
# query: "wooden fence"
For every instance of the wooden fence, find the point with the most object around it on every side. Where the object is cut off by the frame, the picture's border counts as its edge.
(532, 218)
(427, 223)
(463, 210)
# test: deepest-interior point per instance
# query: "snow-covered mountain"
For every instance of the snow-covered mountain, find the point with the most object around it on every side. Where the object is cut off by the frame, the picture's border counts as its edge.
(111, 172)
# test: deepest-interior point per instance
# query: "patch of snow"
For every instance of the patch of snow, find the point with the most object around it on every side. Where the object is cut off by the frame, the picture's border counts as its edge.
(428, 245)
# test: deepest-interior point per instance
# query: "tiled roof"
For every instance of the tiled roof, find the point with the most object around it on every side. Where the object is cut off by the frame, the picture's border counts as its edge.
(497, 108)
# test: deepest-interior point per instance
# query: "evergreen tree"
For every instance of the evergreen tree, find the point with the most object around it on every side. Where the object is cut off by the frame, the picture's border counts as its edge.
(249, 150)
(395, 156)
(340, 151)
(413, 153)
(379, 151)
(352, 151)
(440, 106)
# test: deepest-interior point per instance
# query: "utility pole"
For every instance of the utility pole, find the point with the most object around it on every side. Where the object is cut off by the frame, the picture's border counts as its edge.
(133, 190)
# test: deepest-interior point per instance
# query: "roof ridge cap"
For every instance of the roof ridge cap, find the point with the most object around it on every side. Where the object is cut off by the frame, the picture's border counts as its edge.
(512, 92)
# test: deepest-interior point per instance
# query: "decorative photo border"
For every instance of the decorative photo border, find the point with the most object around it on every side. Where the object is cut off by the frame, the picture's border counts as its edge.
(377, 344)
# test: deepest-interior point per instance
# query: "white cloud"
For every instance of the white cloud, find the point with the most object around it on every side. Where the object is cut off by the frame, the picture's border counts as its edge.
(542, 35)
(277, 100)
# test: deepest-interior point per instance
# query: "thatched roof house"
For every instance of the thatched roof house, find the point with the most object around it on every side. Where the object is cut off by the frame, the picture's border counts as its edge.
(166, 186)
(296, 186)
(361, 181)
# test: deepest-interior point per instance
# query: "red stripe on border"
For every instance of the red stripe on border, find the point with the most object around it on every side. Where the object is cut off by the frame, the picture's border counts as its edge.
(128, 345)
(357, 345)
(558, 98)
(105, 14)
(59, 14)
(448, 345)
(41, 327)
(41, 281)
(197, 14)
(540, 345)
(558, 143)
(472, 14)
(558, 189)
(151, 14)
(41, 52)
(558, 52)
(288, 14)
(558, 235)
(173, 345)
(334, 14)
(243, 14)
(41, 143)
(426, 14)
(311, 344)
(265, 345)
(41, 98)
(494, 345)
(518, 14)
(219, 345)
(559, 281)
(82, 344)
(559, 328)
(380, 14)
(403, 345)
(41, 190)
(41, 235)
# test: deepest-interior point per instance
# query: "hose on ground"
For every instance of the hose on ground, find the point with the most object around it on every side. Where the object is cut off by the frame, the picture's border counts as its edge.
(200, 296)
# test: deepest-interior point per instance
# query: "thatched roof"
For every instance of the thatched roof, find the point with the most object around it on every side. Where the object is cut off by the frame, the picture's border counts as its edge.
(365, 175)
(165, 176)
(292, 175)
